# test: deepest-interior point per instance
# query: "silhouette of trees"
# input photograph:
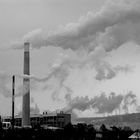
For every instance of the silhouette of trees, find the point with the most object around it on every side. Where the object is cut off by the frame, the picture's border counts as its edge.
(69, 132)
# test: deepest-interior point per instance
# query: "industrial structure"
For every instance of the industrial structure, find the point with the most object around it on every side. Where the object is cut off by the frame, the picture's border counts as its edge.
(26, 87)
(13, 101)
(59, 120)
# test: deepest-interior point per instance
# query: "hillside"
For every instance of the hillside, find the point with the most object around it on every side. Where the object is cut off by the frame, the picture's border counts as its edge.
(131, 120)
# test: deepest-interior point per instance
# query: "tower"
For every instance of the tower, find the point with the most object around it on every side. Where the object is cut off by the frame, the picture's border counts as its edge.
(26, 87)
(13, 101)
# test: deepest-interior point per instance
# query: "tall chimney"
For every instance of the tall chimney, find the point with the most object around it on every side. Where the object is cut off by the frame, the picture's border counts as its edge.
(26, 87)
(13, 101)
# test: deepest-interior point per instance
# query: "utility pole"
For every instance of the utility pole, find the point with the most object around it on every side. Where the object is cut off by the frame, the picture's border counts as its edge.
(13, 100)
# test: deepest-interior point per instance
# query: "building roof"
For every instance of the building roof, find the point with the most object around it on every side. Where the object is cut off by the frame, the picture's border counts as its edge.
(135, 135)
(37, 115)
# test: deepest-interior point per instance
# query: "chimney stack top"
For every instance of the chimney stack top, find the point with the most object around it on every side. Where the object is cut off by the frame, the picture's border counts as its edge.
(26, 46)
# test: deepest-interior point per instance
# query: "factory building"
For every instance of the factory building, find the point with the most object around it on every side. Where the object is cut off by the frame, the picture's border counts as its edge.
(59, 120)
(26, 119)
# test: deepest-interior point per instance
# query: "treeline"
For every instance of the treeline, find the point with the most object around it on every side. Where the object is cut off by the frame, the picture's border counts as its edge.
(69, 132)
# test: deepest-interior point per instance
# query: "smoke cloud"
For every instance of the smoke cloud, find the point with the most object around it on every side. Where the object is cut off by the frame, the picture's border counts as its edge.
(80, 103)
(101, 104)
(129, 100)
(6, 84)
(95, 35)
(116, 23)
(106, 104)
(106, 71)
(4, 90)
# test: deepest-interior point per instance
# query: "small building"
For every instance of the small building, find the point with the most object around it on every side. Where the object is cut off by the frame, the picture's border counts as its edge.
(98, 136)
(135, 136)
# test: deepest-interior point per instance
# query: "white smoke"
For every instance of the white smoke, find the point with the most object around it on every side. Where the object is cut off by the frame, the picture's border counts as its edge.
(116, 23)
(20, 89)
(91, 38)
(4, 78)
(103, 103)
(106, 71)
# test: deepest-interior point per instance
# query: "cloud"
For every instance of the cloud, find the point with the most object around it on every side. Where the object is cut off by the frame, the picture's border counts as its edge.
(106, 71)
(129, 100)
(108, 104)
(116, 18)
(6, 84)
(80, 103)
(101, 104)
(90, 38)
(94, 34)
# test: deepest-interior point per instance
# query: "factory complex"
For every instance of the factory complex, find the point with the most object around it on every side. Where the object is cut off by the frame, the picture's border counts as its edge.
(56, 120)
(26, 119)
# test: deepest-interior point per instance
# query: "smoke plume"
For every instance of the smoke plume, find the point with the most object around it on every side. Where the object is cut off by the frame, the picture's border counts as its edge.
(95, 34)
(102, 104)
(129, 100)
(4, 90)
(6, 84)
(106, 71)
(79, 103)
(116, 23)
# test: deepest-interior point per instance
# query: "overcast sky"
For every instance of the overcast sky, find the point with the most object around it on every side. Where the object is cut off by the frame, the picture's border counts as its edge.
(101, 52)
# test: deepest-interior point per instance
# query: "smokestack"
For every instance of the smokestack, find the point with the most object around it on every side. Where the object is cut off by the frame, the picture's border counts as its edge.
(13, 101)
(26, 87)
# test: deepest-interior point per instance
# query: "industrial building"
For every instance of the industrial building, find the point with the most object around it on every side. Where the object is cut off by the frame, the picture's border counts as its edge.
(26, 119)
(59, 120)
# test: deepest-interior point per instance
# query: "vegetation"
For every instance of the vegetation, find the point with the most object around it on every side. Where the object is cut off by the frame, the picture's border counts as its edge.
(101, 128)
(69, 132)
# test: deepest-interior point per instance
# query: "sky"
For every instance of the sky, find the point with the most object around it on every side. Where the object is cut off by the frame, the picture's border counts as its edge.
(81, 52)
